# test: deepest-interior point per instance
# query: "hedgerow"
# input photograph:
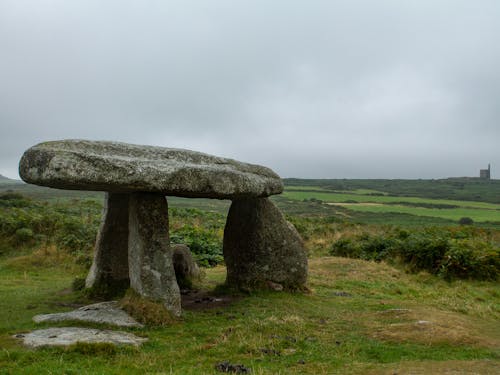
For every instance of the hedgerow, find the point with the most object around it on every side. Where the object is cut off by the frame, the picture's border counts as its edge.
(447, 252)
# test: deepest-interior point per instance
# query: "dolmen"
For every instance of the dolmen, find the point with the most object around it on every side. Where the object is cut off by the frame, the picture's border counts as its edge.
(133, 249)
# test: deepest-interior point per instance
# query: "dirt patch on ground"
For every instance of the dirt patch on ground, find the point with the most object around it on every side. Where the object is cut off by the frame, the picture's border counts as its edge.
(190, 300)
(204, 300)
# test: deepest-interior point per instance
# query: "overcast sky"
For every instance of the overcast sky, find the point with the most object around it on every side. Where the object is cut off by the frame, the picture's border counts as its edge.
(323, 89)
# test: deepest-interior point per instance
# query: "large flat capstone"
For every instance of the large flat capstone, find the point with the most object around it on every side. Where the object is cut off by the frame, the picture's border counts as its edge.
(122, 167)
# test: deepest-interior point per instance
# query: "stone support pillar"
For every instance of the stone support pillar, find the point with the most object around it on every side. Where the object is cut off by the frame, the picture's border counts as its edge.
(109, 274)
(151, 269)
(262, 249)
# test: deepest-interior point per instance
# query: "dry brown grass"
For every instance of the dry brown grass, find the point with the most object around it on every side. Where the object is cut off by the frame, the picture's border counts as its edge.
(319, 243)
(414, 308)
(428, 326)
(326, 270)
(483, 367)
(45, 256)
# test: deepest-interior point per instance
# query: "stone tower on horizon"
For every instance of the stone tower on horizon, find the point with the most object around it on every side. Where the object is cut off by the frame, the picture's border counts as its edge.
(485, 173)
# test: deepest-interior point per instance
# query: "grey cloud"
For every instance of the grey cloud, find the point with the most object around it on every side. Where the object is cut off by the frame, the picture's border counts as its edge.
(313, 89)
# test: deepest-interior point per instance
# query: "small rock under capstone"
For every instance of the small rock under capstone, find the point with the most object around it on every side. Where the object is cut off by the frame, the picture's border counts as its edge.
(103, 312)
(186, 269)
(65, 336)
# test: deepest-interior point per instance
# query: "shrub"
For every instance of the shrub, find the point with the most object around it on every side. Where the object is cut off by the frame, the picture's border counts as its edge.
(23, 235)
(72, 226)
(423, 251)
(75, 236)
(12, 199)
(368, 247)
(204, 244)
(471, 259)
(449, 253)
(465, 221)
(346, 247)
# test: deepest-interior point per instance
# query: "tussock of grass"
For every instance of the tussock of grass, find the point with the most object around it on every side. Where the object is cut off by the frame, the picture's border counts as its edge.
(98, 348)
(45, 256)
(146, 311)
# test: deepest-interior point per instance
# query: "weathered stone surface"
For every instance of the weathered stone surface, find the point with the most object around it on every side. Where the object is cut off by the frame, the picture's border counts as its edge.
(122, 167)
(260, 246)
(151, 268)
(186, 269)
(103, 312)
(65, 336)
(109, 272)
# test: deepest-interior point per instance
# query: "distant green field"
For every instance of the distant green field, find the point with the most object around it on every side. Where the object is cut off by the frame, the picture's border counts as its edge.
(461, 189)
(363, 198)
(478, 215)
(363, 201)
(322, 189)
(353, 200)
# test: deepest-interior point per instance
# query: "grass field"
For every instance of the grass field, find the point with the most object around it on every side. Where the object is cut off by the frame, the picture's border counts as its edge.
(463, 189)
(359, 317)
(354, 200)
(365, 201)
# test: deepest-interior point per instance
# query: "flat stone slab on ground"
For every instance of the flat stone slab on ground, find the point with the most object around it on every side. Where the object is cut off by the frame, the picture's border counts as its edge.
(65, 336)
(103, 312)
(121, 167)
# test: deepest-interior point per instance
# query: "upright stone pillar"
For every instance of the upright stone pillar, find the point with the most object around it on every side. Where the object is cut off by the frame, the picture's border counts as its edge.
(262, 249)
(109, 274)
(152, 272)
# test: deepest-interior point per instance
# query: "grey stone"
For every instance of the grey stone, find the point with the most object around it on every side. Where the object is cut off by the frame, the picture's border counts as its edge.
(64, 336)
(103, 312)
(274, 286)
(151, 268)
(122, 167)
(260, 246)
(186, 269)
(109, 272)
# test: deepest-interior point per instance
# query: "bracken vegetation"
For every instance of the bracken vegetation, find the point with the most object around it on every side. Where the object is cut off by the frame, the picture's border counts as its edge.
(447, 252)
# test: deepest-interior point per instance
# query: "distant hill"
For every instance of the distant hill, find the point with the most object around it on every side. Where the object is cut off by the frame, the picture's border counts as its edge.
(42, 192)
(6, 180)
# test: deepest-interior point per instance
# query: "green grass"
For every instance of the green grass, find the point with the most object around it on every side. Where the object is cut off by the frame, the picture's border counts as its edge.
(364, 198)
(452, 214)
(478, 211)
(329, 333)
(466, 189)
(324, 189)
(359, 318)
